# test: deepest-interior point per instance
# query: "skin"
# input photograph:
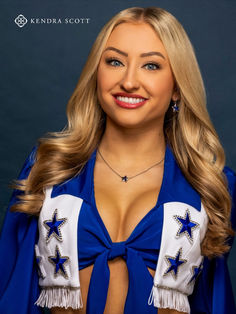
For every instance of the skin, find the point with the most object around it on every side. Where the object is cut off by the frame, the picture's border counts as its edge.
(133, 140)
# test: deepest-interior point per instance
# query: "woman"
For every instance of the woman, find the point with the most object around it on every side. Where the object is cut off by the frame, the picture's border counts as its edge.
(134, 192)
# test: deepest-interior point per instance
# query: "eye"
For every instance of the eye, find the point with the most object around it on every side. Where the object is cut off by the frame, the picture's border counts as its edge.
(115, 63)
(156, 66)
(112, 61)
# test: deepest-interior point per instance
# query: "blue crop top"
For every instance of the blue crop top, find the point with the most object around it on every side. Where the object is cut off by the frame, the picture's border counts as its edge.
(139, 251)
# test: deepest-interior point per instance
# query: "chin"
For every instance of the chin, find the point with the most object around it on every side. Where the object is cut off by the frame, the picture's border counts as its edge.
(128, 123)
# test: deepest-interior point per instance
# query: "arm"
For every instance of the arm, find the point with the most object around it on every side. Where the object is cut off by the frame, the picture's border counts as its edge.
(213, 292)
(17, 261)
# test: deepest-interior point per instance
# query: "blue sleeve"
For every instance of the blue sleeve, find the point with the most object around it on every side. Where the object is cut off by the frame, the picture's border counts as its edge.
(213, 293)
(18, 271)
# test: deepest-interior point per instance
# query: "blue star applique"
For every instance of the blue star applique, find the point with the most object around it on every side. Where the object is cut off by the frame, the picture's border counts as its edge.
(58, 261)
(196, 270)
(186, 225)
(174, 263)
(53, 227)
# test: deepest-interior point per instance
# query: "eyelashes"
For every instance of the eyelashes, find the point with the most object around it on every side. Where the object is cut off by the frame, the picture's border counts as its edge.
(111, 61)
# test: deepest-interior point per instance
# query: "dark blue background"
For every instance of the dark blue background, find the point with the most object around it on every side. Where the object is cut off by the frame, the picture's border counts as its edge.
(41, 63)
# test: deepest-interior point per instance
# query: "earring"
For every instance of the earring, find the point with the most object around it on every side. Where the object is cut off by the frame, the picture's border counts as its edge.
(175, 107)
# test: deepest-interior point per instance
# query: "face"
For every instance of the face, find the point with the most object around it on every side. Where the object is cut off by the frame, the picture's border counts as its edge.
(122, 69)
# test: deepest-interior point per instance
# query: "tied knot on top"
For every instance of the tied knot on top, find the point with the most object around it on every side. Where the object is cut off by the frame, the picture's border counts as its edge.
(117, 249)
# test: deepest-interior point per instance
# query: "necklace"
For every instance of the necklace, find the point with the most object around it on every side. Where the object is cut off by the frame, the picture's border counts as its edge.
(126, 178)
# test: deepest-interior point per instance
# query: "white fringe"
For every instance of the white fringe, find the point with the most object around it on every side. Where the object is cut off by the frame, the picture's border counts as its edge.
(60, 297)
(169, 298)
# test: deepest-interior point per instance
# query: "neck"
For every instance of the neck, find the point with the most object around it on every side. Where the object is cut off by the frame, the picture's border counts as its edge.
(132, 147)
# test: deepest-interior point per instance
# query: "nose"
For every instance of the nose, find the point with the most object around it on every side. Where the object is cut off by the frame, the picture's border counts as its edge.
(130, 80)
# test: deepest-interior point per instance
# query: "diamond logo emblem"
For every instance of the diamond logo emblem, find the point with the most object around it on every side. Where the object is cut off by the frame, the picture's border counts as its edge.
(21, 20)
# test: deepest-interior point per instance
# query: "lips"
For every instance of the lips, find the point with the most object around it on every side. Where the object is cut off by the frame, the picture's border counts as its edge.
(128, 105)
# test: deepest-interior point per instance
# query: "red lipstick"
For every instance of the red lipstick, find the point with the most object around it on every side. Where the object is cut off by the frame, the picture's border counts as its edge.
(128, 105)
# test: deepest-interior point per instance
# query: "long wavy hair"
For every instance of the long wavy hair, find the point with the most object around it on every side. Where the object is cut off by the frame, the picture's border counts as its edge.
(191, 134)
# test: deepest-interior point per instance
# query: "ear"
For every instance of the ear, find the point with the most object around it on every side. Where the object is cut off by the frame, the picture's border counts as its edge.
(175, 94)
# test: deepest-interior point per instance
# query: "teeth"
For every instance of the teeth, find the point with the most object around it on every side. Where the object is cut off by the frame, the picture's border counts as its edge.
(130, 100)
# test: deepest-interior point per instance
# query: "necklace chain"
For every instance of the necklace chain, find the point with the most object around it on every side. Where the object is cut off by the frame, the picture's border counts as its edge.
(126, 178)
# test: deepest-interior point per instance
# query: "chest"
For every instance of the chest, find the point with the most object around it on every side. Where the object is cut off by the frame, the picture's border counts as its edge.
(122, 205)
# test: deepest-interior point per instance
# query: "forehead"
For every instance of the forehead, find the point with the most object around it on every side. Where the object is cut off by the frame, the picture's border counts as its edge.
(135, 37)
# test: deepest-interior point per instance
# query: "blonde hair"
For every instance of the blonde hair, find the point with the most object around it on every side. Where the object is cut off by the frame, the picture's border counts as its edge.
(190, 133)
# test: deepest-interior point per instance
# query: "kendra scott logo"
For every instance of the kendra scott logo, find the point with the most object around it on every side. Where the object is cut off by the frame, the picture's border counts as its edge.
(20, 20)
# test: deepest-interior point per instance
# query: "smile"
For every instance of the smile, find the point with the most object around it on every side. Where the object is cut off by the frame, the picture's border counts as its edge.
(129, 102)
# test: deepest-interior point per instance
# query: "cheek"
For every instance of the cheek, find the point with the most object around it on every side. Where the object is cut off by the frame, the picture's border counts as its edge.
(100, 79)
(162, 85)
(161, 90)
(103, 86)
(105, 79)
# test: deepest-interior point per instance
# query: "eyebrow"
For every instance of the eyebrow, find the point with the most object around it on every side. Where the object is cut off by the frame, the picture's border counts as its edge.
(145, 54)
